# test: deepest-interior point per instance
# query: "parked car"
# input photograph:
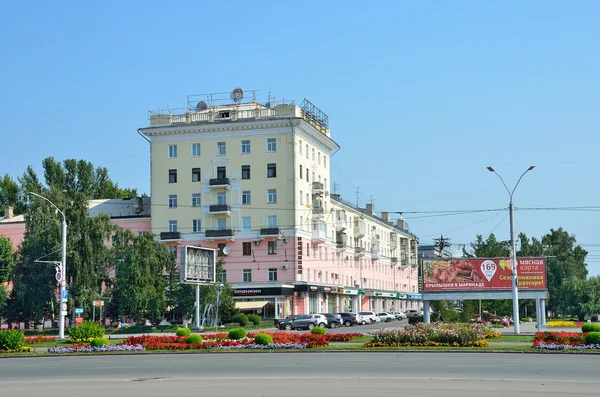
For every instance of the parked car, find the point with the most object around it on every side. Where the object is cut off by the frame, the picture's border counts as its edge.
(386, 317)
(349, 319)
(333, 320)
(369, 317)
(414, 313)
(300, 321)
(321, 320)
(399, 315)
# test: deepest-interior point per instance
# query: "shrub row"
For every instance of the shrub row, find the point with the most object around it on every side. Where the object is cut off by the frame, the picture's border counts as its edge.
(590, 327)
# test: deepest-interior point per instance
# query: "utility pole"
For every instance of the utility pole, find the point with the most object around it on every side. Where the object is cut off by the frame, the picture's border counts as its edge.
(440, 244)
(357, 193)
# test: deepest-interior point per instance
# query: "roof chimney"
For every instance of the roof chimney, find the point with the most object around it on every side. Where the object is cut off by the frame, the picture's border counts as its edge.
(370, 209)
(8, 212)
(385, 216)
(140, 206)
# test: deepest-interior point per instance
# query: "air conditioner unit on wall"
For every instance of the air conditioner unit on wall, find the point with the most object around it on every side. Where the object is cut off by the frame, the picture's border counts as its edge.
(284, 267)
(256, 242)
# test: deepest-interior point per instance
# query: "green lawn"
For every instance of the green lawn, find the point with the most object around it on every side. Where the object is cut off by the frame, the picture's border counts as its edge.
(514, 338)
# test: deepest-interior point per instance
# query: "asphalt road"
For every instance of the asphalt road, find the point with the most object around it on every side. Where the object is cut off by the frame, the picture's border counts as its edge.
(301, 374)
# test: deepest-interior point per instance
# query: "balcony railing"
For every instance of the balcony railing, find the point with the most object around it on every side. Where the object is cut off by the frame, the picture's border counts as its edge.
(219, 209)
(213, 233)
(269, 231)
(317, 187)
(219, 182)
(319, 235)
(359, 251)
(170, 236)
(394, 259)
(360, 228)
(375, 253)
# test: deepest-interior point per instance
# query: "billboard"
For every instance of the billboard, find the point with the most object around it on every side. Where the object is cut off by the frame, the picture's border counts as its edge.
(483, 274)
(198, 265)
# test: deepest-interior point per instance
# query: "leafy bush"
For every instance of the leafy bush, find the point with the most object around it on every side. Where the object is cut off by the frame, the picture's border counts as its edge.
(254, 319)
(590, 327)
(194, 340)
(183, 332)
(263, 339)
(592, 338)
(318, 331)
(241, 319)
(434, 334)
(85, 332)
(237, 333)
(97, 342)
(11, 340)
(415, 319)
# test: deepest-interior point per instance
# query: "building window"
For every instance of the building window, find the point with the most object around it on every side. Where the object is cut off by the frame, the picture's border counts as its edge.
(301, 197)
(301, 222)
(220, 248)
(271, 196)
(173, 251)
(172, 176)
(246, 197)
(173, 226)
(172, 201)
(306, 151)
(196, 200)
(271, 145)
(196, 225)
(307, 178)
(221, 149)
(245, 147)
(300, 171)
(313, 154)
(319, 158)
(272, 274)
(325, 161)
(221, 172)
(307, 199)
(245, 172)
(246, 249)
(195, 150)
(221, 198)
(222, 223)
(271, 170)
(223, 276)
(325, 183)
(247, 275)
(272, 247)
(313, 176)
(246, 223)
(195, 174)
(172, 151)
(272, 221)
(300, 146)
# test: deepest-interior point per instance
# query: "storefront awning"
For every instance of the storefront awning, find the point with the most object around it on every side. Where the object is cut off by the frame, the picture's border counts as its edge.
(250, 305)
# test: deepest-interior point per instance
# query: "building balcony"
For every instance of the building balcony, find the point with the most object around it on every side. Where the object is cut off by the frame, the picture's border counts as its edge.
(360, 228)
(375, 253)
(404, 262)
(317, 187)
(219, 183)
(394, 259)
(164, 236)
(319, 236)
(216, 209)
(359, 251)
(341, 246)
(317, 212)
(270, 231)
(219, 233)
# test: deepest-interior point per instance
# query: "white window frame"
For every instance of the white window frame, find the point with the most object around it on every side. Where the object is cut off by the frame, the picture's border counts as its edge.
(221, 145)
(271, 145)
(300, 146)
(247, 275)
(272, 274)
(172, 151)
(245, 147)
(272, 221)
(301, 198)
(272, 196)
(221, 220)
(173, 226)
(246, 197)
(247, 227)
(221, 198)
(194, 147)
(196, 200)
(196, 225)
(307, 152)
(172, 201)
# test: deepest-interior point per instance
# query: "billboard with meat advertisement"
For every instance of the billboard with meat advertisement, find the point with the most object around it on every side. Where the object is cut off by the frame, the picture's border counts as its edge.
(477, 274)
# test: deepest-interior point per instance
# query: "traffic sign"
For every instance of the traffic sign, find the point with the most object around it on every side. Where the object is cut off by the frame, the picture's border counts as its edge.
(98, 303)
(58, 276)
(63, 307)
(65, 294)
(79, 310)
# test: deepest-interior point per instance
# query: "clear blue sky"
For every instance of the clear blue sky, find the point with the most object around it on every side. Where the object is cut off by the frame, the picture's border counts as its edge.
(421, 96)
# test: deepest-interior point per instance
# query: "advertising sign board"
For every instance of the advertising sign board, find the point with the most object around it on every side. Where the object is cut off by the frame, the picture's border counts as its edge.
(198, 265)
(483, 274)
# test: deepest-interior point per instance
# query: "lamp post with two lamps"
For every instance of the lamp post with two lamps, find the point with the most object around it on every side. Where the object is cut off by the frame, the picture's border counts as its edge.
(513, 247)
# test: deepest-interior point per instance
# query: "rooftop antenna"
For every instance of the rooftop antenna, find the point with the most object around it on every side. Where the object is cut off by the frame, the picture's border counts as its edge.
(357, 193)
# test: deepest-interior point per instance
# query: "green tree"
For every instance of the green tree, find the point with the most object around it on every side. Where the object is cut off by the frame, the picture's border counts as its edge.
(10, 194)
(3, 301)
(140, 262)
(7, 259)
(580, 297)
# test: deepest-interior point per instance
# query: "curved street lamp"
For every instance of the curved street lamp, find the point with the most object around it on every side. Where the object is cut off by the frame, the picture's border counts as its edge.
(63, 267)
(513, 247)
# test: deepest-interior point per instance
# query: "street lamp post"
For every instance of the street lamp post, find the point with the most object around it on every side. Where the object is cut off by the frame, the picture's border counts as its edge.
(63, 267)
(513, 248)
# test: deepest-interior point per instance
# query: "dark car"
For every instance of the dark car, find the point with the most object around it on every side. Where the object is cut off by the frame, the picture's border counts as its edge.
(300, 321)
(349, 319)
(333, 320)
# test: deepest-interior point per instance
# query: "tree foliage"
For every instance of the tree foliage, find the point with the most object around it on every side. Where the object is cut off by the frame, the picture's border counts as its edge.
(7, 259)
(580, 297)
(10, 194)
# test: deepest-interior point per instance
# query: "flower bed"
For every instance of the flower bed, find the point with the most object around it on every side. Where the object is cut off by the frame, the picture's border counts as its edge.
(561, 324)
(558, 338)
(558, 346)
(457, 335)
(91, 349)
(32, 340)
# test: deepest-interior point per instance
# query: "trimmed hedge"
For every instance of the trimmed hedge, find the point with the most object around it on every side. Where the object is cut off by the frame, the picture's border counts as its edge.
(254, 319)
(97, 342)
(592, 338)
(237, 333)
(590, 327)
(183, 332)
(241, 319)
(194, 340)
(263, 339)
(318, 331)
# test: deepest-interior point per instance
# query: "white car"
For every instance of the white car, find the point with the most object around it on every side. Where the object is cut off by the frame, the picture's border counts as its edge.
(386, 317)
(321, 320)
(414, 313)
(369, 317)
(399, 315)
